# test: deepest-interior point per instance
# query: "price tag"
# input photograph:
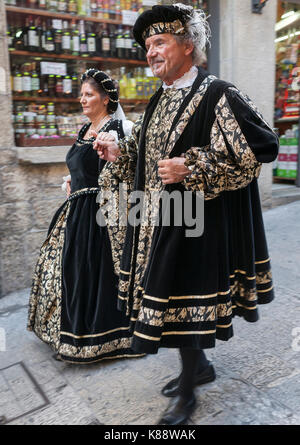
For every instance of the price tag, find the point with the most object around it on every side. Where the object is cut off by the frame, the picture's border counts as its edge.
(129, 17)
(57, 24)
(53, 68)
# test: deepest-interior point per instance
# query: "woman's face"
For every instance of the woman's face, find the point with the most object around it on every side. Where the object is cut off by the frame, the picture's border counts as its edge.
(91, 101)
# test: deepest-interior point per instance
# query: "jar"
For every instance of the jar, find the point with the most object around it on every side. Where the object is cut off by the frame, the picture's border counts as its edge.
(30, 131)
(41, 131)
(50, 107)
(19, 118)
(40, 118)
(52, 131)
(50, 118)
(29, 119)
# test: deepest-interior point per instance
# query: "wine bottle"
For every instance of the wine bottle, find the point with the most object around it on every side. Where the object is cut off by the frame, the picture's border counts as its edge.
(67, 86)
(17, 82)
(75, 40)
(35, 81)
(120, 43)
(112, 41)
(49, 41)
(58, 40)
(83, 40)
(91, 42)
(105, 42)
(66, 39)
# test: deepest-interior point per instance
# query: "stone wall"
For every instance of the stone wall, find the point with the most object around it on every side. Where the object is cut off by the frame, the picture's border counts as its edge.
(29, 191)
(247, 59)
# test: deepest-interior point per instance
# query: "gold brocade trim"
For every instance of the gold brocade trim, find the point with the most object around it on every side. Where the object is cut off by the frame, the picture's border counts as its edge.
(189, 332)
(69, 334)
(263, 261)
(175, 27)
(265, 290)
(102, 358)
(94, 351)
(147, 337)
(224, 325)
(245, 307)
(124, 272)
(161, 300)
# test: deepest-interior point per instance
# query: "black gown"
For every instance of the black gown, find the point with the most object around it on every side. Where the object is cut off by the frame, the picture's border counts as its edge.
(73, 301)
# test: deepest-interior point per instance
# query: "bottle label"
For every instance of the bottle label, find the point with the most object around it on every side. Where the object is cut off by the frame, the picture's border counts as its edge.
(62, 6)
(91, 42)
(49, 46)
(75, 43)
(26, 83)
(120, 43)
(67, 86)
(35, 83)
(128, 43)
(17, 84)
(32, 38)
(66, 42)
(105, 44)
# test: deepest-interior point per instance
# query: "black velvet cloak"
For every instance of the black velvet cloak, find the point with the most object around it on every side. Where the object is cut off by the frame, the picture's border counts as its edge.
(185, 291)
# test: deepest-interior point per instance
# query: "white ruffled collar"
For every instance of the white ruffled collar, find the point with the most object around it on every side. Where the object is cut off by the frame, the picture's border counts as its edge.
(185, 81)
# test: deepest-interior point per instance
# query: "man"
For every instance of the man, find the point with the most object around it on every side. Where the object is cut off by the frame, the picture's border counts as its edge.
(198, 134)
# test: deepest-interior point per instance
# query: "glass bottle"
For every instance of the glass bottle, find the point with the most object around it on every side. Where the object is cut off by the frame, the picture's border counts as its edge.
(35, 81)
(91, 43)
(58, 41)
(75, 40)
(59, 89)
(83, 40)
(72, 7)
(105, 42)
(66, 39)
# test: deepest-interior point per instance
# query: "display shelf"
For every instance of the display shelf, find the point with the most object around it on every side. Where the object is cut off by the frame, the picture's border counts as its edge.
(72, 99)
(71, 57)
(58, 15)
(280, 179)
(287, 119)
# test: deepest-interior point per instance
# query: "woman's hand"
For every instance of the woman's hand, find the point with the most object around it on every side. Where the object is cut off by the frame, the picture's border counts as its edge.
(106, 146)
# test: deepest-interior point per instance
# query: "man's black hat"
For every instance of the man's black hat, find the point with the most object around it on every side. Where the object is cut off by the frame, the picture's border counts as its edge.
(160, 20)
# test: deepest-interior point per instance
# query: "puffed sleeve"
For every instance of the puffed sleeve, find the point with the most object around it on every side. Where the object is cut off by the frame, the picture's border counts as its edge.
(240, 141)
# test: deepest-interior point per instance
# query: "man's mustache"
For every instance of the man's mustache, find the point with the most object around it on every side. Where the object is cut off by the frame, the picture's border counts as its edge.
(156, 60)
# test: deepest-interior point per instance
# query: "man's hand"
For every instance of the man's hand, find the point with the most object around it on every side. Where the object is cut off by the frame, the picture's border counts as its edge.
(172, 170)
(106, 146)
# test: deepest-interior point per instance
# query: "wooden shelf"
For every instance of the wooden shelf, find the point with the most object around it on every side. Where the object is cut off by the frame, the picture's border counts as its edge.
(72, 99)
(287, 119)
(280, 178)
(70, 57)
(44, 99)
(58, 15)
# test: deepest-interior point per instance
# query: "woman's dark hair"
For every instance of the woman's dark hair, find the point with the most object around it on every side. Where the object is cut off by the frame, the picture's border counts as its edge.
(104, 85)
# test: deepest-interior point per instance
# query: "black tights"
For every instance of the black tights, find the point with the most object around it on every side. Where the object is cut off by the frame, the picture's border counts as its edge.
(193, 362)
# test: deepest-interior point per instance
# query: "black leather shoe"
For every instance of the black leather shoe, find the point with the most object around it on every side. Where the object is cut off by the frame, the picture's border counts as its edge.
(178, 411)
(205, 376)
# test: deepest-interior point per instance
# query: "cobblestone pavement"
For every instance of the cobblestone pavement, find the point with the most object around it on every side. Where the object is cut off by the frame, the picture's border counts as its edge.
(258, 371)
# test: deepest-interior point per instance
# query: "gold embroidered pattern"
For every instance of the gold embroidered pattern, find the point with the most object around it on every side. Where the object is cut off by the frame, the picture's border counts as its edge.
(175, 27)
(214, 169)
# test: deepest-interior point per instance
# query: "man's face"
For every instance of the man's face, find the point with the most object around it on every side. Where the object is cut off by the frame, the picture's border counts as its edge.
(167, 58)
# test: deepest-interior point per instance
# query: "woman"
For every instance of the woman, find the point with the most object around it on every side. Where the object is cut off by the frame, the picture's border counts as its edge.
(74, 293)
